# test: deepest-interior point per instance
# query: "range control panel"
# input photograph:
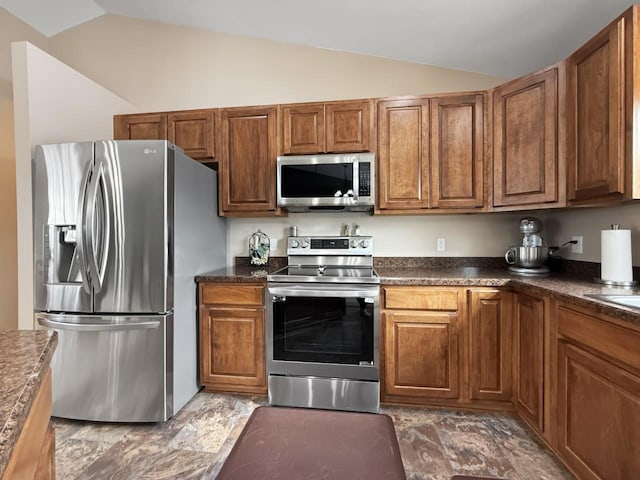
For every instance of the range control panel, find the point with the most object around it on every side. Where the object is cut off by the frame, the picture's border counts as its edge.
(362, 245)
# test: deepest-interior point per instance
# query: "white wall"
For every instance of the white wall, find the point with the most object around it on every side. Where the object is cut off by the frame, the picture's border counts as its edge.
(52, 103)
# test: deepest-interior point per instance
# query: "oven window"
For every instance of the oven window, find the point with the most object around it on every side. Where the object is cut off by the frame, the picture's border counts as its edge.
(323, 330)
(319, 180)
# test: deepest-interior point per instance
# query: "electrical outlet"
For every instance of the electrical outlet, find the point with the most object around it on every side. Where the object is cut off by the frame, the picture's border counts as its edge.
(576, 247)
(441, 244)
(273, 244)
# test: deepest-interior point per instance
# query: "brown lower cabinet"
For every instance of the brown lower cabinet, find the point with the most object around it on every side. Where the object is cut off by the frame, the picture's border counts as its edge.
(529, 359)
(33, 456)
(598, 403)
(420, 331)
(447, 346)
(490, 345)
(232, 337)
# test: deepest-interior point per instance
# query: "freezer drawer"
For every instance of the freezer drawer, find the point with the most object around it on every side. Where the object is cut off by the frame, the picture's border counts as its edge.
(111, 368)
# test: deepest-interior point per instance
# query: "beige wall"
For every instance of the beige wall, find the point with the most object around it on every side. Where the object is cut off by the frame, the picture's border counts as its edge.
(158, 66)
(11, 29)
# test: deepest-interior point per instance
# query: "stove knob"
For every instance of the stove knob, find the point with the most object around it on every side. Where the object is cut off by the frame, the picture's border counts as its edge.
(304, 244)
(294, 243)
(364, 243)
(354, 243)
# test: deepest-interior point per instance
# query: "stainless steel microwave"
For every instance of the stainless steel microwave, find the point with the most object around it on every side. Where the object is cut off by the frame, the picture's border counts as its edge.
(335, 182)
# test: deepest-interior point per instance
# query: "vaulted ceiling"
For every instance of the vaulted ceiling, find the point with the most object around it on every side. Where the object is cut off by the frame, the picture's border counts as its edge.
(507, 38)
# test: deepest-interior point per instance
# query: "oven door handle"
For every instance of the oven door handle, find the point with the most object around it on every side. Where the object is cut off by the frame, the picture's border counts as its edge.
(314, 291)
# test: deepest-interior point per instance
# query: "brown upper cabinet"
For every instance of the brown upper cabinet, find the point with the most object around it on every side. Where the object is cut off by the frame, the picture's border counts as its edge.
(431, 153)
(310, 128)
(457, 151)
(600, 105)
(248, 161)
(143, 126)
(403, 154)
(528, 141)
(191, 130)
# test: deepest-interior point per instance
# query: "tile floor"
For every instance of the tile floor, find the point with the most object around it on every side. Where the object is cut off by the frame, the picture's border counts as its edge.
(435, 444)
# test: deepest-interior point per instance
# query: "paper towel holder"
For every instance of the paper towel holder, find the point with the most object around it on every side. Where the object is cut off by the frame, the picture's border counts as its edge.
(613, 283)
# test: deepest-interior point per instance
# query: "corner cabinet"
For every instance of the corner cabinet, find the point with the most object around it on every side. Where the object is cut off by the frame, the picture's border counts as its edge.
(431, 154)
(309, 128)
(490, 345)
(421, 338)
(191, 130)
(529, 314)
(528, 141)
(598, 395)
(247, 164)
(231, 318)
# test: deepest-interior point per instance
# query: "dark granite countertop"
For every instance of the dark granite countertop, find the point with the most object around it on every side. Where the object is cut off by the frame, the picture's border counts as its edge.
(466, 272)
(25, 356)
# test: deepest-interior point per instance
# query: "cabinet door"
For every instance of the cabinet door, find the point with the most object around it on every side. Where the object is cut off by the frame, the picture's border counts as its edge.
(525, 152)
(457, 151)
(598, 415)
(529, 359)
(151, 126)
(193, 132)
(490, 329)
(403, 150)
(349, 126)
(421, 354)
(303, 129)
(248, 163)
(232, 349)
(596, 115)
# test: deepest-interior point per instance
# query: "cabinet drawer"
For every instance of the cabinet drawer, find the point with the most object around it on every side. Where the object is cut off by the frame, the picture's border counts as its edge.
(615, 341)
(420, 298)
(232, 294)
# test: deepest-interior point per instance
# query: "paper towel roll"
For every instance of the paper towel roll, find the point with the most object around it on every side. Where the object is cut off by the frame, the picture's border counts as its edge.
(616, 256)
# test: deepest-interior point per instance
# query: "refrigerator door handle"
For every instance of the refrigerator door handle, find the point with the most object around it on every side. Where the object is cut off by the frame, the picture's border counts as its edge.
(98, 219)
(97, 327)
(81, 229)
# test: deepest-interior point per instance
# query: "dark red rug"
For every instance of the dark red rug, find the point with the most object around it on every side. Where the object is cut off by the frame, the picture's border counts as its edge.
(298, 443)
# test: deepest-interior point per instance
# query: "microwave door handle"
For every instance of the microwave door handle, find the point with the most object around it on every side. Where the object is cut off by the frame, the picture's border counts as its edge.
(356, 180)
(81, 229)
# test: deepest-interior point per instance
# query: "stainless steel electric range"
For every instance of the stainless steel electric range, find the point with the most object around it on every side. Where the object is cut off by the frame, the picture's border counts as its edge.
(323, 326)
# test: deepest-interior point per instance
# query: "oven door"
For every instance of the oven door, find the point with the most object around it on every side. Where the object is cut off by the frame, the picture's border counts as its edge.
(323, 330)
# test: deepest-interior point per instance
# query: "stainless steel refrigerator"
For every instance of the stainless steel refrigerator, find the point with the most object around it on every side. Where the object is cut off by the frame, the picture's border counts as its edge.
(120, 229)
